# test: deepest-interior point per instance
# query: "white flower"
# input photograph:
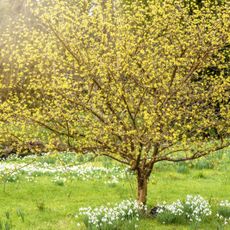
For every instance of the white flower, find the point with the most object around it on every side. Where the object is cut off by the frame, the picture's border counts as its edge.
(126, 210)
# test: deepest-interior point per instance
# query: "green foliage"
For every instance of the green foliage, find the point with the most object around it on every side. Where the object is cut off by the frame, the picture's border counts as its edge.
(168, 218)
(200, 175)
(204, 164)
(21, 214)
(224, 211)
(48, 160)
(40, 204)
(183, 168)
(11, 177)
(59, 181)
(6, 223)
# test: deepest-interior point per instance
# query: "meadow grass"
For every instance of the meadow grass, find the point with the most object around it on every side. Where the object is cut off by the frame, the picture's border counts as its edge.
(45, 205)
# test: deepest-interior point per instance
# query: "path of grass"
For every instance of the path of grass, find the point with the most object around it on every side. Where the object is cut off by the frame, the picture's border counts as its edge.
(48, 206)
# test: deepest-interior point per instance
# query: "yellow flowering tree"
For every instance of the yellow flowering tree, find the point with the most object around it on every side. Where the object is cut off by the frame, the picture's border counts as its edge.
(128, 81)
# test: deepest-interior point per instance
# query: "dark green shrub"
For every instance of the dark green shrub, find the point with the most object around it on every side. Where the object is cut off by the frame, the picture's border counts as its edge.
(183, 168)
(204, 164)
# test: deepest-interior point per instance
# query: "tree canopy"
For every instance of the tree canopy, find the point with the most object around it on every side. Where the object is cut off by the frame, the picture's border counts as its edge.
(119, 80)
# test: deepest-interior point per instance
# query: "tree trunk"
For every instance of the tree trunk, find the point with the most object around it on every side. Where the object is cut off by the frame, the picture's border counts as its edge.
(142, 183)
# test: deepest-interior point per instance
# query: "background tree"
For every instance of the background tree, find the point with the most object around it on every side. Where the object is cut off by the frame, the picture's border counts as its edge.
(104, 78)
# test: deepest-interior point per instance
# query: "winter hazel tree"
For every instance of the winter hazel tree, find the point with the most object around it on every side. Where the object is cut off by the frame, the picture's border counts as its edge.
(132, 81)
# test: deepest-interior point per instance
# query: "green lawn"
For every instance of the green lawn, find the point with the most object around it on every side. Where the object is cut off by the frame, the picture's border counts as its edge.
(48, 205)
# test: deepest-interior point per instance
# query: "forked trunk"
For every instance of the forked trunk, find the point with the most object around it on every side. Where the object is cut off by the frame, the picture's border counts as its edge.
(142, 183)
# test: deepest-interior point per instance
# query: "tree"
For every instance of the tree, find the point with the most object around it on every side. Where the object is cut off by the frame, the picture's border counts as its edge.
(119, 80)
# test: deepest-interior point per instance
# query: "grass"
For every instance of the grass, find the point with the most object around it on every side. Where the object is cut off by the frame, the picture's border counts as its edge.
(46, 205)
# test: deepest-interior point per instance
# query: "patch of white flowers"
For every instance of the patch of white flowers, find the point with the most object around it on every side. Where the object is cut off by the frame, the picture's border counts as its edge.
(194, 208)
(104, 216)
(197, 208)
(81, 172)
(113, 180)
(223, 213)
(225, 203)
(176, 208)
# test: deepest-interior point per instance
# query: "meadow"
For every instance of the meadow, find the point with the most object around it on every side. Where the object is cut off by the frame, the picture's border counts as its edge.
(138, 81)
(46, 192)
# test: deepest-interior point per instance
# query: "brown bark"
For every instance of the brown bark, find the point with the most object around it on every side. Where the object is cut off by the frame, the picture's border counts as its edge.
(142, 183)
